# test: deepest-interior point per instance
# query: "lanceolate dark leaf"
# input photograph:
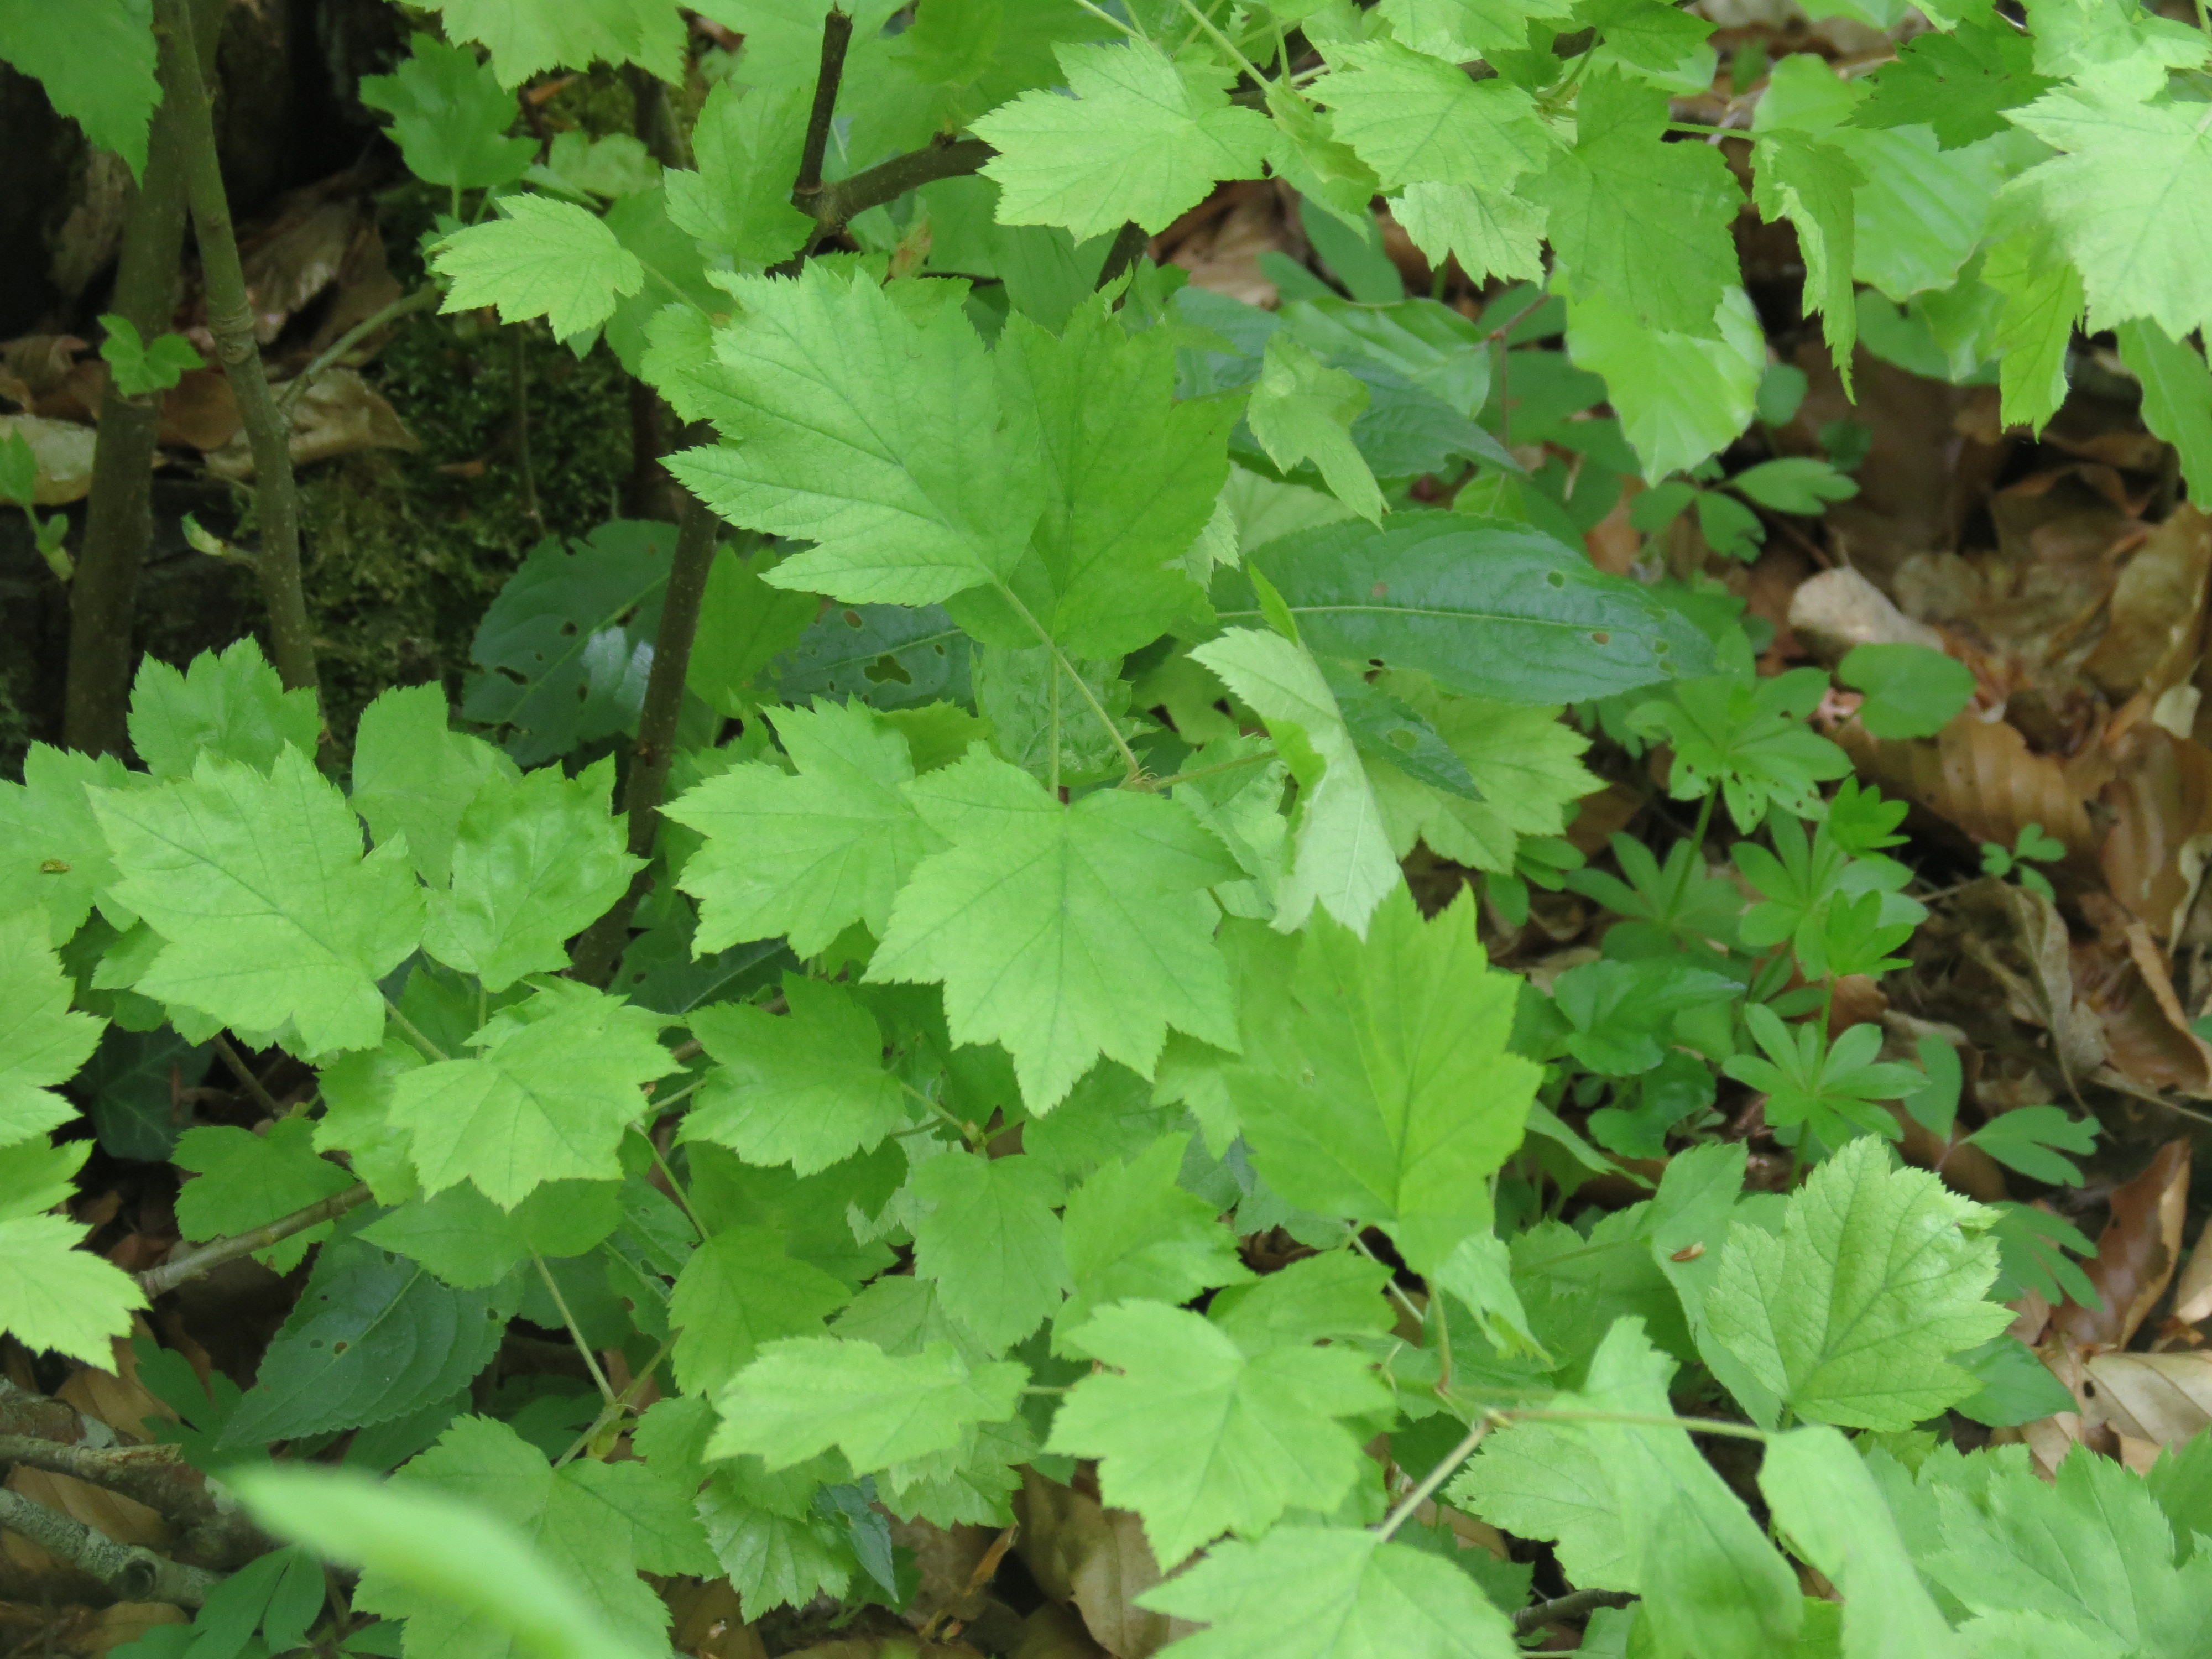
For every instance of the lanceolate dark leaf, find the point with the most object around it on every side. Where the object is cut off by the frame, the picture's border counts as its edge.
(1487, 607)
(889, 655)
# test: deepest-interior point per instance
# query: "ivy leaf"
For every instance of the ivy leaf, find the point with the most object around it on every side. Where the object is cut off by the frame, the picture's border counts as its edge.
(1131, 1233)
(552, 1085)
(1302, 410)
(877, 436)
(246, 1180)
(1142, 139)
(1852, 1314)
(1642, 222)
(1131, 478)
(42, 1040)
(414, 777)
(96, 63)
(1828, 1505)
(1393, 1098)
(450, 116)
(226, 704)
(1744, 737)
(1959, 83)
(526, 36)
(1199, 1438)
(1635, 1506)
(806, 855)
(1416, 119)
(1831, 1090)
(54, 1295)
(270, 915)
(546, 258)
(739, 1291)
(2030, 1139)
(738, 201)
(808, 1089)
(1912, 691)
(2131, 201)
(989, 1241)
(372, 1337)
(537, 858)
(1342, 859)
(1063, 933)
(1307, 1592)
(806, 1395)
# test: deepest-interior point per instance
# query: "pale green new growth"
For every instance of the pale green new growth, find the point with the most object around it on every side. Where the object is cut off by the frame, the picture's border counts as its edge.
(807, 1089)
(547, 259)
(740, 1290)
(803, 1397)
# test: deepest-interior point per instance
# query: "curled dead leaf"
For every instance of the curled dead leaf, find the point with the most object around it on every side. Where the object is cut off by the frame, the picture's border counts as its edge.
(2193, 1291)
(2161, 1398)
(2156, 617)
(1055, 1631)
(2160, 801)
(2136, 1254)
(2122, 977)
(1080, 1550)
(2020, 940)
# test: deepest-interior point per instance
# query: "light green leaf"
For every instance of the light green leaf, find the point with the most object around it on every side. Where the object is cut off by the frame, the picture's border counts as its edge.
(1417, 120)
(552, 1085)
(1303, 411)
(806, 855)
(739, 198)
(42, 1041)
(1681, 396)
(1334, 1294)
(270, 915)
(1305, 1593)
(1850, 1315)
(1063, 933)
(2177, 402)
(739, 1291)
(1829, 1507)
(1131, 1233)
(1912, 690)
(547, 258)
(526, 36)
(414, 777)
(1492, 231)
(1342, 860)
(1643, 224)
(1131, 478)
(54, 1295)
(228, 705)
(805, 1396)
(1199, 1438)
(1460, 31)
(808, 1089)
(53, 856)
(536, 860)
(1142, 139)
(471, 1243)
(989, 1241)
(1794, 176)
(244, 1180)
(140, 366)
(450, 116)
(1395, 1098)
(849, 422)
(2043, 303)
(96, 63)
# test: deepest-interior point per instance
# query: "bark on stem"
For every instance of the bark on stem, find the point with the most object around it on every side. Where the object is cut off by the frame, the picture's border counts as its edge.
(135, 1574)
(230, 320)
(195, 1264)
(118, 519)
(214, 1535)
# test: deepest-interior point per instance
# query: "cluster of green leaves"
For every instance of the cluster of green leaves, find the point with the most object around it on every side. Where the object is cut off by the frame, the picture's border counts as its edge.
(1041, 933)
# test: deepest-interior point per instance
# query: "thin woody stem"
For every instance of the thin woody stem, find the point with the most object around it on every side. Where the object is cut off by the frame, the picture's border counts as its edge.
(575, 1331)
(197, 1263)
(1436, 1476)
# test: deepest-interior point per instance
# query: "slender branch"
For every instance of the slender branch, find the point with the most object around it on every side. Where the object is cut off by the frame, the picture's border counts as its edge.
(698, 536)
(621, 1403)
(843, 199)
(1129, 245)
(118, 519)
(238, 1068)
(1573, 1605)
(676, 1188)
(197, 1263)
(1436, 1476)
(217, 1532)
(421, 300)
(134, 1573)
(413, 1033)
(575, 1331)
(836, 36)
(230, 320)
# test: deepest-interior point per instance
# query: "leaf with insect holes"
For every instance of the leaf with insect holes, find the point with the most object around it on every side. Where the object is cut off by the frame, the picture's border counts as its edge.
(546, 258)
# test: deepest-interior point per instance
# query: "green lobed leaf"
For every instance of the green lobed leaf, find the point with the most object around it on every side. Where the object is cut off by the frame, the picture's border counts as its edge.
(140, 366)
(226, 704)
(42, 1040)
(96, 63)
(414, 778)
(740, 1291)
(988, 1240)
(1302, 410)
(53, 856)
(806, 1394)
(739, 200)
(546, 258)
(54, 1295)
(1417, 120)
(526, 36)
(1131, 1233)
(450, 116)
(246, 1179)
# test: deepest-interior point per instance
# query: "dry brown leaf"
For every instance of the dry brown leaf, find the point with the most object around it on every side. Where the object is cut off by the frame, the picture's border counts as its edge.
(948, 1559)
(708, 1623)
(1054, 1631)
(1840, 609)
(2193, 1291)
(297, 258)
(116, 1397)
(1240, 223)
(2161, 1398)
(201, 410)
(2157, 613)
(2161, 802)
(2136, 1254)
(338, 414)
(1080, 1550)
(92, 1632)
(2020, 939)
(2121, 976)
(1981, 777)
(122, 1519)
(62, 449)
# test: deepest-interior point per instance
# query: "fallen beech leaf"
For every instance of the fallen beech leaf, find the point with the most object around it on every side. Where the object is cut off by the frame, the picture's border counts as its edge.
(122, 1519)
(2162, 1398)
(200, 409)
(336, 415)
(2157, 611)
(2136, 1252)
(947, 1558)
(2020, 939)
(1981, 777)
(2161, 802)
(2121, 978)
(2193, 1292)
(62, 449)
(1080, 1550)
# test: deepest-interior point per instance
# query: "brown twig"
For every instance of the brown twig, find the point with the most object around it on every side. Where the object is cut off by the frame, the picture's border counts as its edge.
(215, 1534)
(844, 199)
(836, 36)
(197, 1263)
(1573, 1605)
(238, 1068)
(230, 320)
(134, 1573)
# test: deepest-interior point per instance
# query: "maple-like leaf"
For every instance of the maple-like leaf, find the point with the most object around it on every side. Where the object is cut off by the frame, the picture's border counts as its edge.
(450, 116)
(1132, 1233)
(42, 1040)
(804, 1395)
(1414, 120)
(244, 1180)
(547, 258)
(526, 36)
(989, 1241)
(739, 1291)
